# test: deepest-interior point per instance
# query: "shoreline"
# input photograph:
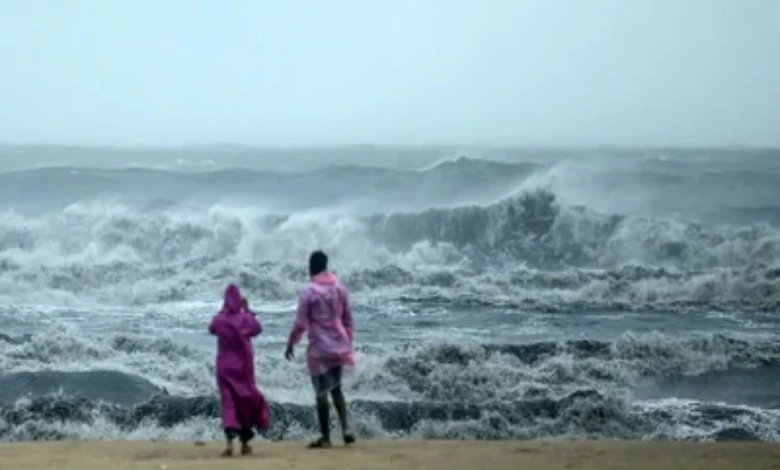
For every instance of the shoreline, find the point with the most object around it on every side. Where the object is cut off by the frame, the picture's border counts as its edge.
(395, 454)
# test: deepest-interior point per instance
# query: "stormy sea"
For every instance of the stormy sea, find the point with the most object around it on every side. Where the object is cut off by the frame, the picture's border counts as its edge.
(602, 293)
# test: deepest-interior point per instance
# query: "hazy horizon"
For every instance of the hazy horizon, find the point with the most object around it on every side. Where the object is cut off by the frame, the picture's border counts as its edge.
(400, 146)
(301, 74)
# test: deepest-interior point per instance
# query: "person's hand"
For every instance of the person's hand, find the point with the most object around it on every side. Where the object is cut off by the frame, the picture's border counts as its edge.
(289, 354)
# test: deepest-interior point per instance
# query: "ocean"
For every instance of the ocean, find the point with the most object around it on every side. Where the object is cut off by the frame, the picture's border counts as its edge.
(602, 293)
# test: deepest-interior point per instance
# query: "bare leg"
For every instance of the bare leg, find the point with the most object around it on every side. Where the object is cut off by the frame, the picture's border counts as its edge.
(246, 436)
(323, 415)
(340, 403)
(229, 436)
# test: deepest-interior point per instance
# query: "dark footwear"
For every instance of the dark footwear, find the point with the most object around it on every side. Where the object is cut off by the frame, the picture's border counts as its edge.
(246, 449)
(320, 444)
(349, 438)
(227, 453)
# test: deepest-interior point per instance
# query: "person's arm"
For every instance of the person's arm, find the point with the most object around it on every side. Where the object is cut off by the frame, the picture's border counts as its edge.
(301, 319)
(214, 324)
(251, 325)
(299, 326)
(346, 318)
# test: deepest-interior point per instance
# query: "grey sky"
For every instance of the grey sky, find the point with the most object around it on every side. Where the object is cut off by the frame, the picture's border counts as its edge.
(287, 72)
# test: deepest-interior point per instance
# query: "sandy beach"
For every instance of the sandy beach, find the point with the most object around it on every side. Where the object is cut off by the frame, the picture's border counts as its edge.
(395, 455)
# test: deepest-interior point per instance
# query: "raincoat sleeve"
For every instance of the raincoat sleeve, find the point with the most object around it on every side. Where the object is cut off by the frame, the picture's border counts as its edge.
(214, 325)
(346, 318)
(250, 325)
(301, 318)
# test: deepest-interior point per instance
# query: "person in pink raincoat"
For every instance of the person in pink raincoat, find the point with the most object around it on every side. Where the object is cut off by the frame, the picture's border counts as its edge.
(244, 407)
(324, 312)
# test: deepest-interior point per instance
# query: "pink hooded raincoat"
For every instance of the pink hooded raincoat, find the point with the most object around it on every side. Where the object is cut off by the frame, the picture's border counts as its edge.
(324, 311)
(243, 405)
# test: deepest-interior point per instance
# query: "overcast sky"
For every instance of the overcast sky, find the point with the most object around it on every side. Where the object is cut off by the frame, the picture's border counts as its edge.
(294, 72)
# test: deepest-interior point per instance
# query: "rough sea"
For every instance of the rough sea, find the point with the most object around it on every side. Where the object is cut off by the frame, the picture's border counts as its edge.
(498, 294)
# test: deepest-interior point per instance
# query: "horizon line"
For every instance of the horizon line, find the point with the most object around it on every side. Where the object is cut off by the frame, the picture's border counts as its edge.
(259, 147)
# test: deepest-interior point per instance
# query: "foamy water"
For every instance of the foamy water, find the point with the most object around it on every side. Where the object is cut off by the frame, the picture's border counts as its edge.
(513, 295)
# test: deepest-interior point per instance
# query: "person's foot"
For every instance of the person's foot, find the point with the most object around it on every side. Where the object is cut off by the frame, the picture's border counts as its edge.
(246, 449)
(349, 438)
(228, 452)
(320, 443)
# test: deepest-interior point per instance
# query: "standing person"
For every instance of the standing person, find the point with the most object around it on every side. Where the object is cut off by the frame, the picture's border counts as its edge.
(323, 311)
(243, 405)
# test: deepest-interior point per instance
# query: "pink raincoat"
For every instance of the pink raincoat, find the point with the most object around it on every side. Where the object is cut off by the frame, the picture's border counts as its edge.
(323, 311)
(243, 405)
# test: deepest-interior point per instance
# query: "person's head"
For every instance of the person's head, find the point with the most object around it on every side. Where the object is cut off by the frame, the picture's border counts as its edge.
(233, 298)
(318, 263)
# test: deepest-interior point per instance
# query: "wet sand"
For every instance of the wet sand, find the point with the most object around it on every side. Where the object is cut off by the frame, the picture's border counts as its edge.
(440, 455)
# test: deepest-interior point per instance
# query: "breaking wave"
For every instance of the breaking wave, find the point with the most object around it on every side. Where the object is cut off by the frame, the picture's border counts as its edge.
(528, 250)
(469, 276)
(585, 388)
